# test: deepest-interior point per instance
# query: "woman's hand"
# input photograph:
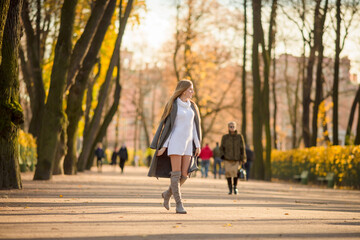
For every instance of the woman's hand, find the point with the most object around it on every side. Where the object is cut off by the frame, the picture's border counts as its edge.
(161, 151)
(197, 152)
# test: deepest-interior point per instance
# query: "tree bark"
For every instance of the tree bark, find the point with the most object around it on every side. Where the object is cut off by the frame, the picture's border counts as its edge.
(77, 90)
(34, 79)
(243, 79)
(61, 150)
(266, 52)
(108, 118)
(335, 93)
(257, 116)
(90, 135)
(357, 137)
(53, 118)
(308, 81)
(10, 109)
(351, 117)
(4, 7)
(83, 44)
(177, 44)
(319, 32)
(275, 103)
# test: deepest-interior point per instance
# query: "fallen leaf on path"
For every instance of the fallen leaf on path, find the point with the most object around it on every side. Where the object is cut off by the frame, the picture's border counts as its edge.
(286, 214)
(60, 195)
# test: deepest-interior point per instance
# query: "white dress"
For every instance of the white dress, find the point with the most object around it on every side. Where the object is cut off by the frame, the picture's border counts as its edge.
(180, 140)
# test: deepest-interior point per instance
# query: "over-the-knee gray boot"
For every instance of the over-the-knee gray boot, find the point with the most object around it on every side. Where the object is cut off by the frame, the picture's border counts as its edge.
(167, 194)
(175, 189)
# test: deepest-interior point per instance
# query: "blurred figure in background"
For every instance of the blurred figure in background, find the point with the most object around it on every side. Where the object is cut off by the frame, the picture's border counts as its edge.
(123, 153)
(205, 156)
(217, 160)
(100, 154)
(249, 161)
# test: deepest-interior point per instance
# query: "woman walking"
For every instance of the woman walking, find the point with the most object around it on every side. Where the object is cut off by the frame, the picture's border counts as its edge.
(176, 140)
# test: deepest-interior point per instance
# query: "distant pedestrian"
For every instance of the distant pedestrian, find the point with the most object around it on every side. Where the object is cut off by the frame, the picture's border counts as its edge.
(249, 161)
(205, 156)
(123, 153)
(100, 154)
(114, 157)
(176, 140)
(217, 160)
(233, 152)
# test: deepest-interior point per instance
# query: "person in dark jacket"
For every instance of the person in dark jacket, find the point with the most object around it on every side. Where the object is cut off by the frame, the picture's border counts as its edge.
(100, 154)
(114, 157)
(123, 153)
(249, 161)
(233, 153)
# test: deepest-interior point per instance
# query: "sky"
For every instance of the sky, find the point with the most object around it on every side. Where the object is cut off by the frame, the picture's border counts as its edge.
(157, 27)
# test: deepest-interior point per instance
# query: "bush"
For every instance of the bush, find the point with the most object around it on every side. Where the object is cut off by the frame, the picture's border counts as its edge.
(344, 162)
(28, 154)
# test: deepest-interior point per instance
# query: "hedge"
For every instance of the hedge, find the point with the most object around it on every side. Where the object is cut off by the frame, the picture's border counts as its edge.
(343, 161)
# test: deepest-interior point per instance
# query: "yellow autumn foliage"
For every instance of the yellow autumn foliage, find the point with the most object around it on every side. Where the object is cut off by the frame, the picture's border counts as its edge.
(343, 161)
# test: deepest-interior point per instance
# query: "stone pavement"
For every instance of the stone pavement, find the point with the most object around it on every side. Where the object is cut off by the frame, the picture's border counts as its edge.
(109, 205)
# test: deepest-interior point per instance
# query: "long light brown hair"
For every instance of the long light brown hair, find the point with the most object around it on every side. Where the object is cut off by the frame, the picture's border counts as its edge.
(181, 87)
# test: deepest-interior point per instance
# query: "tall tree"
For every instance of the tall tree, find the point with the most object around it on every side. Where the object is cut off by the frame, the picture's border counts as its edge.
(4, 7)
(53, 117)
(351, 117)
(10, 109)
(77, 90)
(90, 136)
(243, 79)
(341, 12)
(336, 75)
(318, 39)
(266, 53)
(257, 115)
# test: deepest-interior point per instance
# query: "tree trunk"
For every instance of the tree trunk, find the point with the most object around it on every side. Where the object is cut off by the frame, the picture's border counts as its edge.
(308, 82)
(34, 79)
(335, 93)
(83, 44)
(4, 7)
(357, 137)
(243, 80)
(61, 150)
(275, 103)
(177, 44)
(266, 52)
(351, 117)
(319, 74)
(90, 135)
(108, 118)
(257, 116)
(10, 109)
(77, 90)
(53, 118)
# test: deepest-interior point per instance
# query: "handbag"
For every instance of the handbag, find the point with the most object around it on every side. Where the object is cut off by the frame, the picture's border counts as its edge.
(241, 174)
(193, 165)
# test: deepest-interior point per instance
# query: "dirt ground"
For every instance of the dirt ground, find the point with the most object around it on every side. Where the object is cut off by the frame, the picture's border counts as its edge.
(110, 205)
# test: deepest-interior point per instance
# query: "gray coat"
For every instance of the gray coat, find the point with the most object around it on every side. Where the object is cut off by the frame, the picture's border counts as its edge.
(161, 165)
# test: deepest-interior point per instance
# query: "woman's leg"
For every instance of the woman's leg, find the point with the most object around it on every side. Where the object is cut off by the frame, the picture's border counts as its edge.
(175, 163)
(185, 163)
(175, 176)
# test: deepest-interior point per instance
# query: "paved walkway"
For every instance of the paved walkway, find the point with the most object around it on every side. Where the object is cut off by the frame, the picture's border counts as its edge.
(109, 205)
